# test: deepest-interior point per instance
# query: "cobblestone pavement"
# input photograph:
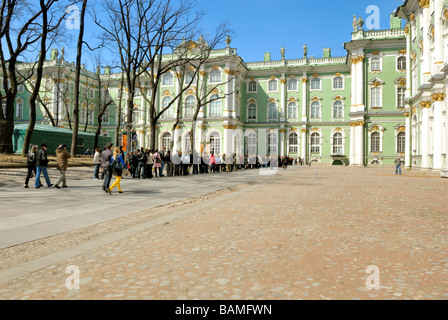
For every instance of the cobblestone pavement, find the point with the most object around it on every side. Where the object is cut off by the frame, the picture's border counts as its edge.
(289, 236)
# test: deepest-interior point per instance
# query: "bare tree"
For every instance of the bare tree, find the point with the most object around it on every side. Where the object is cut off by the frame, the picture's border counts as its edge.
(20, 30)
(74, 146)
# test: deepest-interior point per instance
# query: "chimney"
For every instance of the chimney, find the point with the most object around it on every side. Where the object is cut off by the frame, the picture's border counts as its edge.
(267, 56)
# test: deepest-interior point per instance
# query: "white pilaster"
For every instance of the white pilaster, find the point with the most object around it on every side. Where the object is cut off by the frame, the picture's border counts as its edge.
(424, 138)
(437, 132)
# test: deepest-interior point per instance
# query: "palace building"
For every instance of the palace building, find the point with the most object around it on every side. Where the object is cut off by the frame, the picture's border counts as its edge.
(384, 99)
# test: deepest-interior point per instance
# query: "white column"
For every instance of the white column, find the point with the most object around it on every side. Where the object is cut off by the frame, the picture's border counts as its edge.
(359, 145)
(352, 145)
(283, 98)
(424, 138)
(282, 142)
(407, 152)
(227, 100)
(438, 37)
(304, 98)
(437, 131)
(177, 144)
(228, 140)
(426, 65)
(303, 145)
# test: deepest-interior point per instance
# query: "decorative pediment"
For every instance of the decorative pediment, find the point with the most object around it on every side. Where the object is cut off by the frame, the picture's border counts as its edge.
(376, 127)
(338, 98)
(314, 99)
(376, 82)
(400, 81)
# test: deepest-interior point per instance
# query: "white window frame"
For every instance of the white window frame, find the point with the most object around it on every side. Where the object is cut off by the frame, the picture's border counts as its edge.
(398, 63)
(167, 114)
(19, 110)
(397, 96)
(342, 82)
(397, 135)
(256, 112)
(274, 106)
(380, 62)
(189, 106)
(272, 143)
(296, 107)
(313, 81)
(320, 110)
(214, 77)
(215, 140)
(333, 110)
(271, 83)
(214, 104)
(295, 146)
(319, 145)
(380, 141)
(380, 88)
(341, 145)
(296, 85)
(249, 87)
(165, 82)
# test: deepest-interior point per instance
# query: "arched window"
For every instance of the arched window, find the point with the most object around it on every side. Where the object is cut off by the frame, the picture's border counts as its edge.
(293, 143)
(215, 143)
(401, 142)
(215, 76)
(338, 110)
(168, 79)
(105, 119)
(19, 109)
(83, 114)
(135, 114)
(272, 85)
(292, 85)
(169, 113)
(315, 142)
(375, 142)
(190, 104)
(315, 84)
(272, 143)
(375, 64)
(166, 141)
(252, 144)
(401, 62)
(215, 106)
(338, 83)
(338, 146)
(252, 86)
(252, 112)
(189, 77)
(272, 112)
(315, 110)
(293, 111)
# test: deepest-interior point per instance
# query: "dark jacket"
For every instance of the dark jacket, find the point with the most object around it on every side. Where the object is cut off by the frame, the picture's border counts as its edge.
(31, 159)
(41, 158)
(106, 155)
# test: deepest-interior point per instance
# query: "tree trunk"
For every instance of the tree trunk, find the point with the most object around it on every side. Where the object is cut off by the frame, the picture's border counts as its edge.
(7, 130)
(77, 82)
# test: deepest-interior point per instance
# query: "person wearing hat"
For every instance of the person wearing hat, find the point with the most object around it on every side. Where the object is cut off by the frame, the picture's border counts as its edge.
(41, 165)
(62, 164)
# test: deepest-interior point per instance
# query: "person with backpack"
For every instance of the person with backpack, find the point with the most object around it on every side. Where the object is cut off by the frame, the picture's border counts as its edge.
(31, 165)
(118, 165)
(157, 163)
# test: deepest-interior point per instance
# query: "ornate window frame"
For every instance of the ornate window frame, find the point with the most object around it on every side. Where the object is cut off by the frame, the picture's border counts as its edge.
(343, 139)
(375, 128)
(248, 104)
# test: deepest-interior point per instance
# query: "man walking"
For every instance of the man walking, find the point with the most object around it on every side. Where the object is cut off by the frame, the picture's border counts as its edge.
(62, 157)
(162, 154)
(106, 155)
(398, 166)
(41, 164)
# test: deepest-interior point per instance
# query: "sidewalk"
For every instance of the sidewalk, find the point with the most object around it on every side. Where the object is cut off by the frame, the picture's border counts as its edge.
(289, 236)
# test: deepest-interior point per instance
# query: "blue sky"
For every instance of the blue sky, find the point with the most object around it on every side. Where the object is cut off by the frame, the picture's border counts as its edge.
(261, 25)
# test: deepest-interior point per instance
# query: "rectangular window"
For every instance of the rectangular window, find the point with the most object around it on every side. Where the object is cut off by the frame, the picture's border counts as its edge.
(375, 98)
(401, 97)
